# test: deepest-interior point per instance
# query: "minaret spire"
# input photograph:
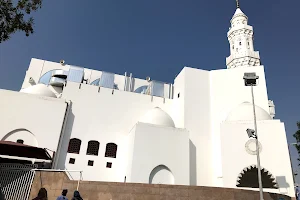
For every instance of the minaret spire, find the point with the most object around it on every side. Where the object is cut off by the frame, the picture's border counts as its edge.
(240, 37)
(237, 4)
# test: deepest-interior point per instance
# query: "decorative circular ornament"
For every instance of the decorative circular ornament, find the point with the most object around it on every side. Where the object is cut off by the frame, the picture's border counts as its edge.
(250, 146)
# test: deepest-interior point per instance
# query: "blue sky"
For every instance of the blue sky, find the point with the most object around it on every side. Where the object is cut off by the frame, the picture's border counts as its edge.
(157, 38)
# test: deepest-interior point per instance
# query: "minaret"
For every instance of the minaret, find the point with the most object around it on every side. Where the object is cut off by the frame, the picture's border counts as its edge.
(240, 37)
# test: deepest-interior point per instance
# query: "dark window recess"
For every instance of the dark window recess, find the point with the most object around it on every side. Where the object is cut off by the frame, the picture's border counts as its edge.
(108, 165)
(93, 148)
(90, 163)
(249, 178)
(20, 141)
(111, 150)
(74, 146)
(72, 161)
(178, 95)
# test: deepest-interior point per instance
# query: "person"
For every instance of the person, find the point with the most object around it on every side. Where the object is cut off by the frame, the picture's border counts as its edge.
(42, 195)
(63, 195)
(2, 197)
(297, 192)
(76, 196)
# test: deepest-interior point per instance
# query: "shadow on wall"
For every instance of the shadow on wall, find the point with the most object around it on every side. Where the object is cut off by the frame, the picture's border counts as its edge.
(161, 175)
(283, 184)
(193, 164)
(21, 133)
(66, 139)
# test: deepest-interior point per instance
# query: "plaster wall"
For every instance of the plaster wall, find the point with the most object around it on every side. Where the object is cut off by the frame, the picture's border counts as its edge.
(110, 115)
(274, 154)
(196, 107)
(227, 92)
(157, 145)
(35, 119)
(38, 68)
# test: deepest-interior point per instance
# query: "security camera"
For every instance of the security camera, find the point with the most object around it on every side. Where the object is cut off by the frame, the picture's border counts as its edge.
(148, 78)
(251, 133)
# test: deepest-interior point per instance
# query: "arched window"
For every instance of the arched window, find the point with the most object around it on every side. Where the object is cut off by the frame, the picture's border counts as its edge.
(96, 82)
(93, 148)
(45, 79)
(111, 150)
(74, 146)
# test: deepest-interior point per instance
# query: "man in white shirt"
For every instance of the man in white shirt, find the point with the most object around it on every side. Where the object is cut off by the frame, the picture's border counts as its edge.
(63, 195)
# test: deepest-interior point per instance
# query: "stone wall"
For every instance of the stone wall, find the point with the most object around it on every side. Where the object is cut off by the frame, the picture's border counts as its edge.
(54, 182)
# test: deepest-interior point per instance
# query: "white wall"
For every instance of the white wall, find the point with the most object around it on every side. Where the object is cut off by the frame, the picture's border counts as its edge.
(38, 68)
(196, 99)
(158, 145)
(227, 92)
(274, 155)
(105, 116)
(35, 119)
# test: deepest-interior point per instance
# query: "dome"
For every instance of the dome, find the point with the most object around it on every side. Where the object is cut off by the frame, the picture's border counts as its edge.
(244, 112)
(39, 89)
(158, 117)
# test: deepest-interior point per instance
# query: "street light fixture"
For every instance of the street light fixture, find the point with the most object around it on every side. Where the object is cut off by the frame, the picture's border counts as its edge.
(250, 79)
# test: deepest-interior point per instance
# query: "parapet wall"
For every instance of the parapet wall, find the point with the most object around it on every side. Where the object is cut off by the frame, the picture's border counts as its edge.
(54, 182)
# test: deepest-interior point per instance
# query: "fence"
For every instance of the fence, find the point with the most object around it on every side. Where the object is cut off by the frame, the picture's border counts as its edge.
(16, 180)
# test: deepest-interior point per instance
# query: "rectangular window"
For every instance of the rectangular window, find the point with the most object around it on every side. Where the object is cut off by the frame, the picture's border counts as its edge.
(72, 161)
(90, 163)
(108, 165)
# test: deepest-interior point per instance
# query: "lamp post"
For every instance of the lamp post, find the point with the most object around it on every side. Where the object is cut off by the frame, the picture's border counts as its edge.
(250, 79)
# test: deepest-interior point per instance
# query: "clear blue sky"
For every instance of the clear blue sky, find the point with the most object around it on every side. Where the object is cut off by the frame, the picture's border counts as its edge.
(157, 38)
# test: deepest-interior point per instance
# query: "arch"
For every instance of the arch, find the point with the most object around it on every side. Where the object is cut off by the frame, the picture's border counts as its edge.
(45, 78)
(74, 146)
(111, 150)
(96, 82)
(21, 134)
(141, 89)
(93, 148)
(249, 178)
(161, 174)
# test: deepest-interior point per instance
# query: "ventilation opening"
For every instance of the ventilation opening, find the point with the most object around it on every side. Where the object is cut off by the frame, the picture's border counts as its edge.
(72, 161)
(108, 165)
(90, 163)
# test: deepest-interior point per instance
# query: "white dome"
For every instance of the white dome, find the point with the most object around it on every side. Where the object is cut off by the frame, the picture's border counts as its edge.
(158, 117)
(39, 89)
(244, 112)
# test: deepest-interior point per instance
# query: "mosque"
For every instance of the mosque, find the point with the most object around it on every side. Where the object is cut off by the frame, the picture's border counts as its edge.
(120, 128)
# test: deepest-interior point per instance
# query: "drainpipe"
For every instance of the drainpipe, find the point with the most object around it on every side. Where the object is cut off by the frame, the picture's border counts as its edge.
(54, 164)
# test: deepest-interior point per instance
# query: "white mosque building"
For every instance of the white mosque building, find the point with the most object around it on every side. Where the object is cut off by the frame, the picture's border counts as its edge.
(121, 128)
